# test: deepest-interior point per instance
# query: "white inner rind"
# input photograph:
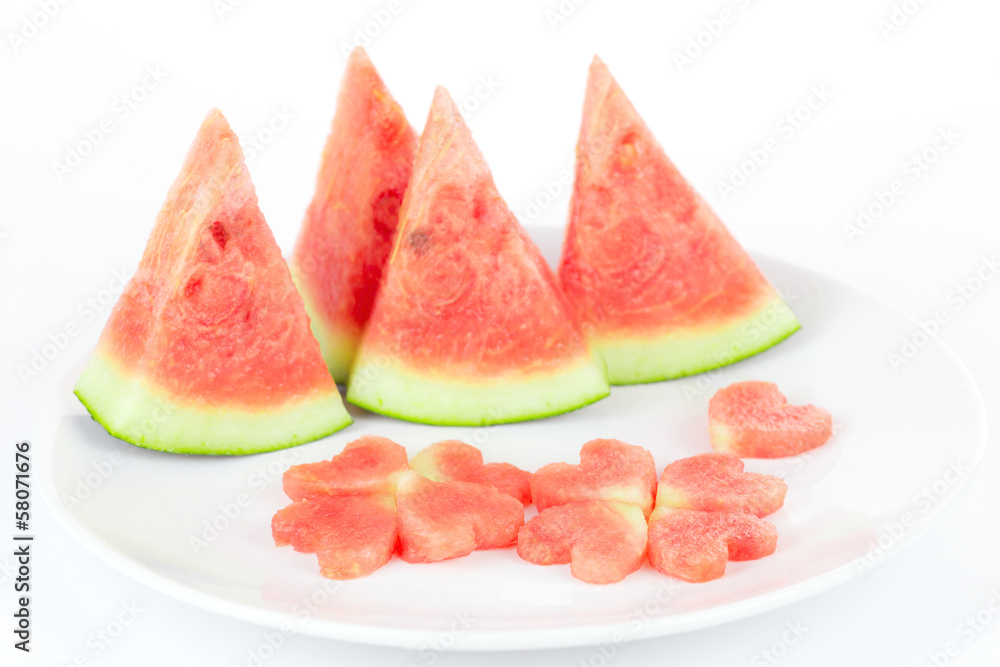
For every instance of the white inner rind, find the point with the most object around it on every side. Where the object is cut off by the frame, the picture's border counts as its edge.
(633, 513)
(632, 495)
(337, 347)
(382, 384)
(132, 409)
(632, 360)
(721, 437)
(671, 496)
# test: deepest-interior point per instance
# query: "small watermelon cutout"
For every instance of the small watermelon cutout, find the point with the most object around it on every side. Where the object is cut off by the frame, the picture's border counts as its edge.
(754, 420)
(717, 483)
(348, 229)
(442, 520)
(604, 541)
(695, 545)
(454, 460)
(469, 326)
(208, 349)
(608, 470)
(656, 281)
(370, 464)
(351, 535)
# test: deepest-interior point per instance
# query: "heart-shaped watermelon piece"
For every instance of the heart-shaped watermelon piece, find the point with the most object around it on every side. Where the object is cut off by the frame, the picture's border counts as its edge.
(454, 460)
(441, 520)
(608, 469)
(604, 541)
(695, 545)
(370, 464)
(754, 420)
(352, 535)
(716, 483)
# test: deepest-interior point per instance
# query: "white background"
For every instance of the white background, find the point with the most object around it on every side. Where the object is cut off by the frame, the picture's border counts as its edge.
(62, 239)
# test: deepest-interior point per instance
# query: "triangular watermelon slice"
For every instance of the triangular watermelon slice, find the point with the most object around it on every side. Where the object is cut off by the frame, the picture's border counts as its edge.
(469, 326)
(349, 226)
(656, 281)
(208, 350)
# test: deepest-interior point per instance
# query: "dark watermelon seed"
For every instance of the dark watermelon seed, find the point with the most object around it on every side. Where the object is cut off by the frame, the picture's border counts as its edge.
(418, 241)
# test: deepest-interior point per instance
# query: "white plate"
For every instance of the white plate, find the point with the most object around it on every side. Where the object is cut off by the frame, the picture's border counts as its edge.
(906, 445)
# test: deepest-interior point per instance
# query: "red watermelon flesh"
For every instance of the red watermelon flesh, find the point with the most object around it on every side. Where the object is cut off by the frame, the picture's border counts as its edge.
(352, 535)
(348, 229)
(754, 420)
(370, 464)
(441, 520)
(603, 540)
(469, 326)
(654, 277)
(455, 460)
(716, 482)
(695, 546)
(608, 469)
(208, 350)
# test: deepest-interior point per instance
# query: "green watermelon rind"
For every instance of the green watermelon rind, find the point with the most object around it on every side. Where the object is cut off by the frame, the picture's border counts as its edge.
(337, 348)
(632, 360)
(130, 409)
(392, 390)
